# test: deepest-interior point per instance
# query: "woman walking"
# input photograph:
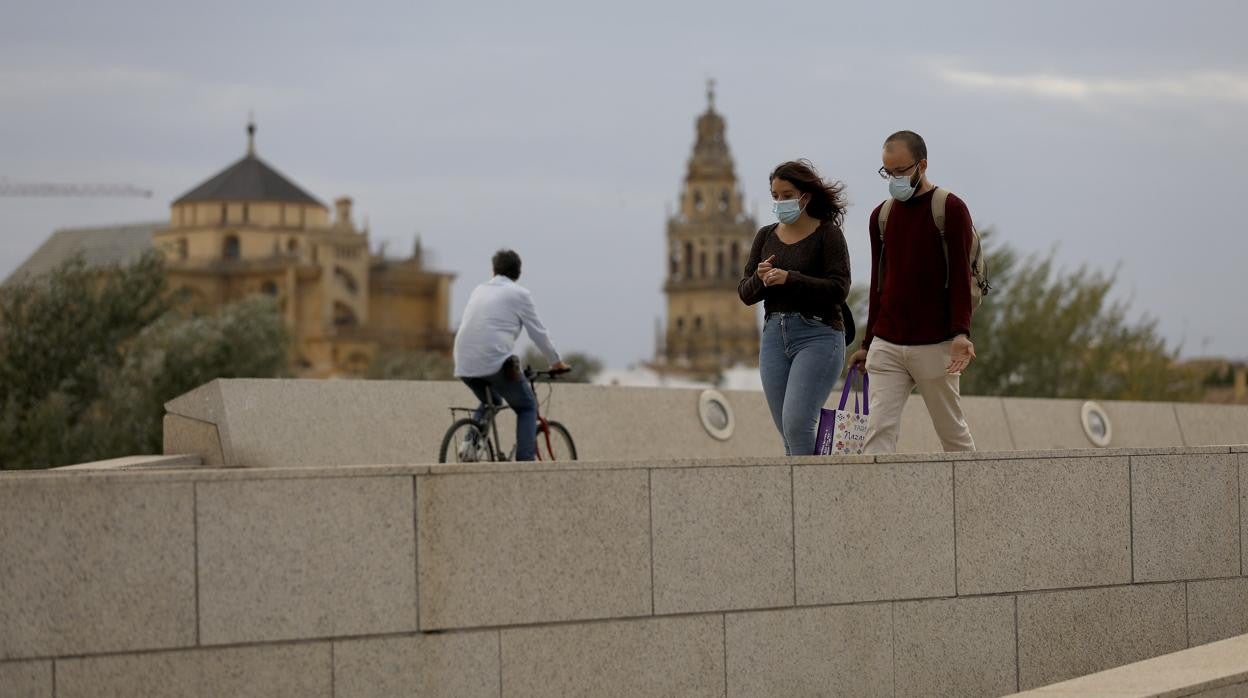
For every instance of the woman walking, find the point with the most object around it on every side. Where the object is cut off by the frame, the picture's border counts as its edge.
(799, 268)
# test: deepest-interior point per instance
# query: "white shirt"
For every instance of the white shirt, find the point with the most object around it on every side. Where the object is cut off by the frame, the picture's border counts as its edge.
(497, 310)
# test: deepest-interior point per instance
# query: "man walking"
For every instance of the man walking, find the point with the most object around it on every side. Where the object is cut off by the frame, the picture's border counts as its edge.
(919, 320)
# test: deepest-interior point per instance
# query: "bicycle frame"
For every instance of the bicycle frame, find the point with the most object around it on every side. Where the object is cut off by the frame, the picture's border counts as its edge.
(489, 425)
(543, 428)
(489, 422)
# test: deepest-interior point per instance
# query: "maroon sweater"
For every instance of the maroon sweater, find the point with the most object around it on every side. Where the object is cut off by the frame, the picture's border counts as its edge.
(914, 307)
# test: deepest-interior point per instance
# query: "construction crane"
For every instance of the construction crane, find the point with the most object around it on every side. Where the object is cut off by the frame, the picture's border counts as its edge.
(45, 189)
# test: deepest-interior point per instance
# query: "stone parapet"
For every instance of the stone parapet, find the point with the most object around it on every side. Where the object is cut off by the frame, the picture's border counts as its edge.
(971, 575)
(301, 423)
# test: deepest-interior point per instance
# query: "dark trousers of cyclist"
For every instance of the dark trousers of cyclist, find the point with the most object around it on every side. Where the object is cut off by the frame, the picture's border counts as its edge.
(519, 396)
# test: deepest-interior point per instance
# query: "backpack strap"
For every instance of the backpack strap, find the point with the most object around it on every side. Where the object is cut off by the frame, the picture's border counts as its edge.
(881, 222)
(939, 198)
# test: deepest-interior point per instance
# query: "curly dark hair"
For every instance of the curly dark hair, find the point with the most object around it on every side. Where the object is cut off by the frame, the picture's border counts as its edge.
(827, 199)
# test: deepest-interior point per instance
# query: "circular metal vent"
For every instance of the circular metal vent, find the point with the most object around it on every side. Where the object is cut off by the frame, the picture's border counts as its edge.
(716, 414)
(1096, 424)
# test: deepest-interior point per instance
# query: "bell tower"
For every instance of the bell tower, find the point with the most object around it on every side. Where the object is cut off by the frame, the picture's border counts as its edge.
(708, 329)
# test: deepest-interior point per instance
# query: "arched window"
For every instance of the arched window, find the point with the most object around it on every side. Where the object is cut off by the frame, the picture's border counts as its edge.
(697, 200)
(697, 323)
(344, 316)
(719, 264)
(680, 324)
(688, 260)
(702, 264)
(269, 288)
(230, 250)
(723, 200)
(292, 246)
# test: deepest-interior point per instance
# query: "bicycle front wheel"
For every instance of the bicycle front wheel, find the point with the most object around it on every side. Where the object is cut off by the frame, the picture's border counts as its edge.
(554, 443)
(464, 443)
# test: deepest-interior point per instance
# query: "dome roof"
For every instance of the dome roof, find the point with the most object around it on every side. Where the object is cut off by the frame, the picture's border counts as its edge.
(249, 179)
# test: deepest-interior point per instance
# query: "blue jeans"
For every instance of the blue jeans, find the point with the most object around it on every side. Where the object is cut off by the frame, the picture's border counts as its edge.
(800, 361)
(519, 396)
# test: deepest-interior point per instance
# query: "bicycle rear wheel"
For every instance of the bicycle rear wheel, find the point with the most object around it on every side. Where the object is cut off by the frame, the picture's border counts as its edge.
(464, 443)
(554, 443)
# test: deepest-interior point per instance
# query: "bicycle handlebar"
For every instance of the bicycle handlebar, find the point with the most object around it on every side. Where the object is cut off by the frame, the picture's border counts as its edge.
(552, 374)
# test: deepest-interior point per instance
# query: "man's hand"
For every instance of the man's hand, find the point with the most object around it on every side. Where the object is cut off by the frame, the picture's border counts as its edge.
(961, 356)
(560, 367)
(764, 267)
(859, 360)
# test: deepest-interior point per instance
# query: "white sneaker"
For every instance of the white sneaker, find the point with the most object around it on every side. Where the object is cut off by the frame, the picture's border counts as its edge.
(468, 449)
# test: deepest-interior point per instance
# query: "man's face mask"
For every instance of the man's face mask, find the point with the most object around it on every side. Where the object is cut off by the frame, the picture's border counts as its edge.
(902, 187)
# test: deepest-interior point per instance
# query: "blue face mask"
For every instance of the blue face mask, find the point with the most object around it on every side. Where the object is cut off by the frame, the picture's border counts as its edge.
(788, 211)
(900, 188)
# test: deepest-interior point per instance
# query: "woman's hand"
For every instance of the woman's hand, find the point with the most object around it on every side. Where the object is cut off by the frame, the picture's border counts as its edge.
(775, 277)
(764, 267)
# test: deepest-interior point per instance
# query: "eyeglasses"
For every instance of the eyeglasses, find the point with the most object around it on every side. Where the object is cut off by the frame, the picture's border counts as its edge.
(885, 174)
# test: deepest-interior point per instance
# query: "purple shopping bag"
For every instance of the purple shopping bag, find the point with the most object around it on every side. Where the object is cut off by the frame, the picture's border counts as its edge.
(841, 431)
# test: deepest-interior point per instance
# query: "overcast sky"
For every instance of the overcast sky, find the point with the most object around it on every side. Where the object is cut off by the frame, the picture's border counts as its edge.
(1111, 131)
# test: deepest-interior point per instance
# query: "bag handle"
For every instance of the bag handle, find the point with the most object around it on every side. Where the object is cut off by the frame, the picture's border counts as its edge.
(849, 382)
(865, 409)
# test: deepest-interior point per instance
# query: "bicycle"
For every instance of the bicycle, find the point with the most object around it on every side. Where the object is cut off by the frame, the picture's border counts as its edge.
(472, 441)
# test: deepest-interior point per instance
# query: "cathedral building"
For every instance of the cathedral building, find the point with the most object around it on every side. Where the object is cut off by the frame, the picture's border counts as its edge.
(249, 230)
(708, 328)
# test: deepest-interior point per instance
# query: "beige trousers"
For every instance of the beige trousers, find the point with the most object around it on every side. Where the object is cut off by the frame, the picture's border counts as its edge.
(895, 371)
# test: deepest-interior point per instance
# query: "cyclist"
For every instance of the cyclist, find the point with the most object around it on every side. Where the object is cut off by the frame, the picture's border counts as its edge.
(497, 310)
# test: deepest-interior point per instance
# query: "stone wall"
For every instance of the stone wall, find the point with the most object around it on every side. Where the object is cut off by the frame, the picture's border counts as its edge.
(311, 423)
(967, 575)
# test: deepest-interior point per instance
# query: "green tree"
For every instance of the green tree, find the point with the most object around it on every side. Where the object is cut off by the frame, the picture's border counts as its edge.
(88, 358)
(585, 367)
(59, 331)
(1048, 332)
(176, 354)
